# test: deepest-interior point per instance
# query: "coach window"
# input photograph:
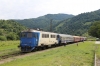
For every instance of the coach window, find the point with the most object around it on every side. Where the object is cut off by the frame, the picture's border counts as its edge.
(53, 36)
(43, 35)
(46, 36)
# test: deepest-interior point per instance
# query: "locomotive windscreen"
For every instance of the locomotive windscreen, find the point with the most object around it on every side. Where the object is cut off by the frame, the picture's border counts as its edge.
(27, 35)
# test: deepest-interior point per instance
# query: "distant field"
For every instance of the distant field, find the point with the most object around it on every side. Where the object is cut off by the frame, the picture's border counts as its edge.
(70, 55)
(8, 47)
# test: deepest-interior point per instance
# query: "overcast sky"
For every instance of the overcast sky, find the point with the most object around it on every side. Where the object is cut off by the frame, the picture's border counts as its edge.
(24, 9)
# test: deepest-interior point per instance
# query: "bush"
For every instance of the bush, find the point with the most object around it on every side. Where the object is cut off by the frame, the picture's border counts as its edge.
(11, 36)
(3, 38)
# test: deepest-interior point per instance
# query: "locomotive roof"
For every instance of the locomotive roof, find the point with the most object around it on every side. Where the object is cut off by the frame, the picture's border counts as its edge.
(32, 30)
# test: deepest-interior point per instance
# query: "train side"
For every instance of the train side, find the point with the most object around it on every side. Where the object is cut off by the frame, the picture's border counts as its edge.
(47, 38)
(66, 38)
(79, 38)
(32, 39)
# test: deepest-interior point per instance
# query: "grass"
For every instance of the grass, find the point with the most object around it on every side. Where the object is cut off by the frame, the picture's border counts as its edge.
(97, 49)
(8, 47)
(70, 55)
(4, 45)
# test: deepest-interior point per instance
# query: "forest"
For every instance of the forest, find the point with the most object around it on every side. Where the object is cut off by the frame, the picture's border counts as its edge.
(78, 25)
(43, 22)
(10, 30)
(64, 23)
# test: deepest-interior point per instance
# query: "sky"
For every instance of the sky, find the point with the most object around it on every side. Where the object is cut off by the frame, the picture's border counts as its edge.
(25, 9)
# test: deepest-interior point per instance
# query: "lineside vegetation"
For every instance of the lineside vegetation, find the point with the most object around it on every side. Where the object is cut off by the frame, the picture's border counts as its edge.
(8, 47)
(69, 55)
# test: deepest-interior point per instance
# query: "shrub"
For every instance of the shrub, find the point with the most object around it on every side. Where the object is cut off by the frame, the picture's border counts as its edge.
(11, 36)
(3, 38)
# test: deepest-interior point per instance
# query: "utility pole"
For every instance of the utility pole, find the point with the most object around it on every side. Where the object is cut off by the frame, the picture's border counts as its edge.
(51, 25)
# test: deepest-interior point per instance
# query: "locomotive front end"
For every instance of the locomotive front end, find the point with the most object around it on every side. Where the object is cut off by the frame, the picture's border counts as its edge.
(28, 41)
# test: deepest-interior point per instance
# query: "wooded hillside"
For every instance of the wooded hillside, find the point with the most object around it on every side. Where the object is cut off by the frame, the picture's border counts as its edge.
(62, 23)
(43, 22)
(79, 24)
(9, 30)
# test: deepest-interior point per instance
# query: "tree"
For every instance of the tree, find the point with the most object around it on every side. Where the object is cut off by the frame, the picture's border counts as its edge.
(95, 29)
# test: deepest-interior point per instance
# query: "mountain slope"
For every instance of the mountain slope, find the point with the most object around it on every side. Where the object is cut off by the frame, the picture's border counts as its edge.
(79, 24)
(44, 21)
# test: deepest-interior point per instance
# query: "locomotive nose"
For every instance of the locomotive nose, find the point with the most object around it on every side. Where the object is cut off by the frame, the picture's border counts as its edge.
(26, 48)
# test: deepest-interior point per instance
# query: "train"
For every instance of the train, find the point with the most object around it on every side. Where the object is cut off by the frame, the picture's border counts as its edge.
(32, 39)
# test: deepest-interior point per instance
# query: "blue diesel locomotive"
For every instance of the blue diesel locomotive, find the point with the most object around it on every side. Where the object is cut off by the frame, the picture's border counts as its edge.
(32, 39)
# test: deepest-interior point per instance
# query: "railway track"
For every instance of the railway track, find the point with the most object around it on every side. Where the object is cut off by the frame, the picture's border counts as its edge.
(21, 53)
(11, 55)
(97, 60)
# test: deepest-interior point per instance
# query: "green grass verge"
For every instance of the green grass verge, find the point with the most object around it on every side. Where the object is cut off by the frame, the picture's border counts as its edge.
(70, 55)
(5, 45)
(8, 47)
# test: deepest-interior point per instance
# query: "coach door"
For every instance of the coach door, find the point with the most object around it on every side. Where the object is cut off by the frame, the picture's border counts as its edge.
(59, 39)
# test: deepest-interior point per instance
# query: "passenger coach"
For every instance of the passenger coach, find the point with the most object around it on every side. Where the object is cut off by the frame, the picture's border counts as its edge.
(66, 38)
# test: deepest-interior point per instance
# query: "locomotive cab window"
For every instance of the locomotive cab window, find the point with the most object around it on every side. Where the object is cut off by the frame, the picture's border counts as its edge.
(23, 34)
(29, 35)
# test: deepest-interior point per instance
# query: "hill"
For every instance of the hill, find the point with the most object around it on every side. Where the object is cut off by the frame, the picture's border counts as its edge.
(64, 23)
(9, 30)
(44, 21)
(79, 24)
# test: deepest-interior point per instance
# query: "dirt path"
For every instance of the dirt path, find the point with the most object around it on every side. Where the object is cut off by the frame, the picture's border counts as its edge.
(97, 42)
(97, 60)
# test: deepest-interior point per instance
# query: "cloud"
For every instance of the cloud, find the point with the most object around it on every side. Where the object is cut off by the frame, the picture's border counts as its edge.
(22, 9)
